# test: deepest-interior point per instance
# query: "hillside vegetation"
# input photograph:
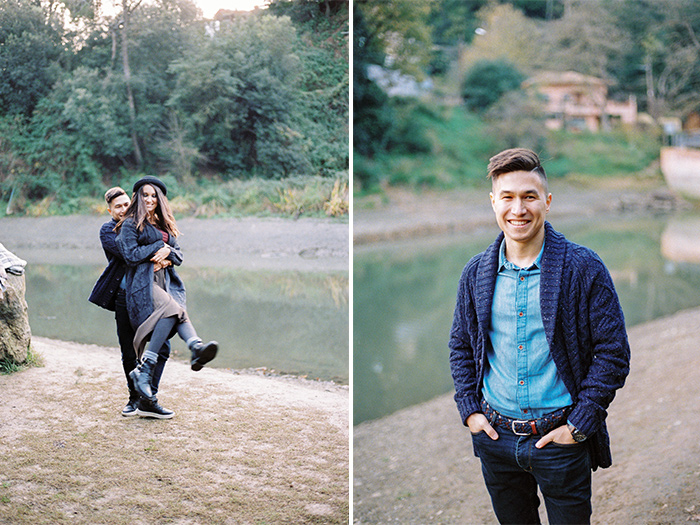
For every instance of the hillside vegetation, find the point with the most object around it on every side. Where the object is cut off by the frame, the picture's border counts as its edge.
(89, 100)
(475, 56)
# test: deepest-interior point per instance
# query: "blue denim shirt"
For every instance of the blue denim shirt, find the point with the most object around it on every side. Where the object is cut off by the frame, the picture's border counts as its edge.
(521, 380)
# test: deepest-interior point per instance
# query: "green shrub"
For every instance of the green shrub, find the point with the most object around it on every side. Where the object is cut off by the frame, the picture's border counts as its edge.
(487, 81)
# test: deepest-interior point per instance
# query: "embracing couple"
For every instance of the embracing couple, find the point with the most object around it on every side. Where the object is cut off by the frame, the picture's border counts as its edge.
(141, 286)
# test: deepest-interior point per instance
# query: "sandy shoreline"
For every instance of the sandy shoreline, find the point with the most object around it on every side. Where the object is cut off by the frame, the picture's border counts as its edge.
(405, 214)
(62, 357)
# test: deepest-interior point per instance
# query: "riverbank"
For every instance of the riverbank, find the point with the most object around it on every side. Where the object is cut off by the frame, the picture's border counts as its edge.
(251, 243)
(401, 213)
(240, 449)
(417, 465)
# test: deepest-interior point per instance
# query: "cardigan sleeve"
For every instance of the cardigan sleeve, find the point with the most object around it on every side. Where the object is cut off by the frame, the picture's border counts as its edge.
(133, 252)
(175, 252)
(463, 362)
(610, 352)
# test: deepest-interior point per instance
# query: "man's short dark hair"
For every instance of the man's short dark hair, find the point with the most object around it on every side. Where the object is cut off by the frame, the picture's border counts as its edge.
(113, 193)
(515, 159)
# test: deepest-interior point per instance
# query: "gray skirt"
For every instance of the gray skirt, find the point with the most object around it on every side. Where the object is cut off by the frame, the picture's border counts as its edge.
(163, 306)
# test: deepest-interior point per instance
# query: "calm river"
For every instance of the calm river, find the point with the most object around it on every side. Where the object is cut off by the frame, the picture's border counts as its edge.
(404, 296)
(291, 322)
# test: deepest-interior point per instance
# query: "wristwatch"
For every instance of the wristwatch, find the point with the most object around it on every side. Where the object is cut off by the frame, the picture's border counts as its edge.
(576, 434)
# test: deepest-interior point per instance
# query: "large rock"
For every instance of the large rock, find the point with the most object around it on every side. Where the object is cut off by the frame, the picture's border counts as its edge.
(15, 334)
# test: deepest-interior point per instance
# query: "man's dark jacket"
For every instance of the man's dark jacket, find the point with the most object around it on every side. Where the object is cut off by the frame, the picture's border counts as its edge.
(105, 291)
(583, 322)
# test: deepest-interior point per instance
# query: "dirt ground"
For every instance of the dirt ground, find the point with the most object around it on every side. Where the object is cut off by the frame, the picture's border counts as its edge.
(417, 466)
(240, 449)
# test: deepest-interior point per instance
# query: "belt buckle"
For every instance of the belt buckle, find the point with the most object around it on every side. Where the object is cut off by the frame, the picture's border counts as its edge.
(512, 427)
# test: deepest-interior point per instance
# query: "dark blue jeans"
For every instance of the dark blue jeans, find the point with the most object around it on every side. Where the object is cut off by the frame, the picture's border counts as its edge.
(513, 469)
(125, 334)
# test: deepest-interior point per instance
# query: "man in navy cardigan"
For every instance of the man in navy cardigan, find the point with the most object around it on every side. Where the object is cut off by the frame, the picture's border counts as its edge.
(538, 348)
(110, 295)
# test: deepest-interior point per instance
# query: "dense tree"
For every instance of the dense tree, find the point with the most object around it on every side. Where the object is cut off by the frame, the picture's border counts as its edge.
(372, 114)
(586, 39)
(237, 91)
(505, 34)
(402, 28)
(31, 54)
(83, 93)
(487, 81)
(663, 63)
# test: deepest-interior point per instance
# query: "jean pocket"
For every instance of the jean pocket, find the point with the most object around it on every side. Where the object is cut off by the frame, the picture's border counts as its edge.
(566, 445)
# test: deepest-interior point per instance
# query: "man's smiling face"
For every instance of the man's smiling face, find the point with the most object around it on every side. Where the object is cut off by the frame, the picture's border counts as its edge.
(520, 201)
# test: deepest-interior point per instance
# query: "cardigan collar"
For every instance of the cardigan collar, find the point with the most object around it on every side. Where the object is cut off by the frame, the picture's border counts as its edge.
(550, 279)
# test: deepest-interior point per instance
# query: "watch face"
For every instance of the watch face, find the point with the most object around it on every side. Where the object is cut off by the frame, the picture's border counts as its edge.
(578, 436)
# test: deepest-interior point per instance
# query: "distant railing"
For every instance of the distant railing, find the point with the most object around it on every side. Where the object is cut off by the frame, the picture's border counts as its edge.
(686, 139)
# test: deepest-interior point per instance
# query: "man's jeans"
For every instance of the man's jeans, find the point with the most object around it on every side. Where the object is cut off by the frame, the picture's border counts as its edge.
(513, 468)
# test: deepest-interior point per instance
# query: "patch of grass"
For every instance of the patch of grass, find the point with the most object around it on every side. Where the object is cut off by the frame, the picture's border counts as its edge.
(616, 153)
(313, 196)
(8, 366)
(458, 149)
(263, 197)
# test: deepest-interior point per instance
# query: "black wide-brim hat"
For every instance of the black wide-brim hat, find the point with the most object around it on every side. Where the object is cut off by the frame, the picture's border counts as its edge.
(153, 181)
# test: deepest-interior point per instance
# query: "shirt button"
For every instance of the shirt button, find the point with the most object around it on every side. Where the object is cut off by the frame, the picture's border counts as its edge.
(522, 278)
(520, 347)
(520, 314)
(522, 382)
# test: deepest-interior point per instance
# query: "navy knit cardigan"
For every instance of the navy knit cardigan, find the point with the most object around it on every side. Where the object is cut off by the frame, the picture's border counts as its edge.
(137, 248)
(583, 322)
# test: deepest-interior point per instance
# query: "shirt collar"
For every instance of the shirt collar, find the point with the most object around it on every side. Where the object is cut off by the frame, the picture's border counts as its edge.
(504, 263)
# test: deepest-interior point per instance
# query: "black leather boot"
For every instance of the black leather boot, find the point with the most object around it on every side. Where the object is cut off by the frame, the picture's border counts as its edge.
(202, 354)
(142, 378)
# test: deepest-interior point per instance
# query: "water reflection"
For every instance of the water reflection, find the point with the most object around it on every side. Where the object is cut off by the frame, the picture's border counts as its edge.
(404, 298)
(292, 322)
(680, 241)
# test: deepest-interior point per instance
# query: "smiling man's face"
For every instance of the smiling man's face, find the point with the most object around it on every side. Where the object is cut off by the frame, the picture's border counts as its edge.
(520, 201)
(118, 207)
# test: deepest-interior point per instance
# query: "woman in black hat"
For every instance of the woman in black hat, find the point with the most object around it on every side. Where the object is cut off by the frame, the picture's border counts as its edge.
(155, 294)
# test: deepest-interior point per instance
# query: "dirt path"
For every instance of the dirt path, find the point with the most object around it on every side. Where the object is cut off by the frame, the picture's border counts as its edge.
(240, 449)
(417, 466)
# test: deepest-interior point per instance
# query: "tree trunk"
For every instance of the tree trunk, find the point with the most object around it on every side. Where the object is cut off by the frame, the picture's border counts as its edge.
(127, 81)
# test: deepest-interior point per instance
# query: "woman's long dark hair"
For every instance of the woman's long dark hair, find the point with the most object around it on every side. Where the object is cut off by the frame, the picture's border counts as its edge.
(163, 214)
